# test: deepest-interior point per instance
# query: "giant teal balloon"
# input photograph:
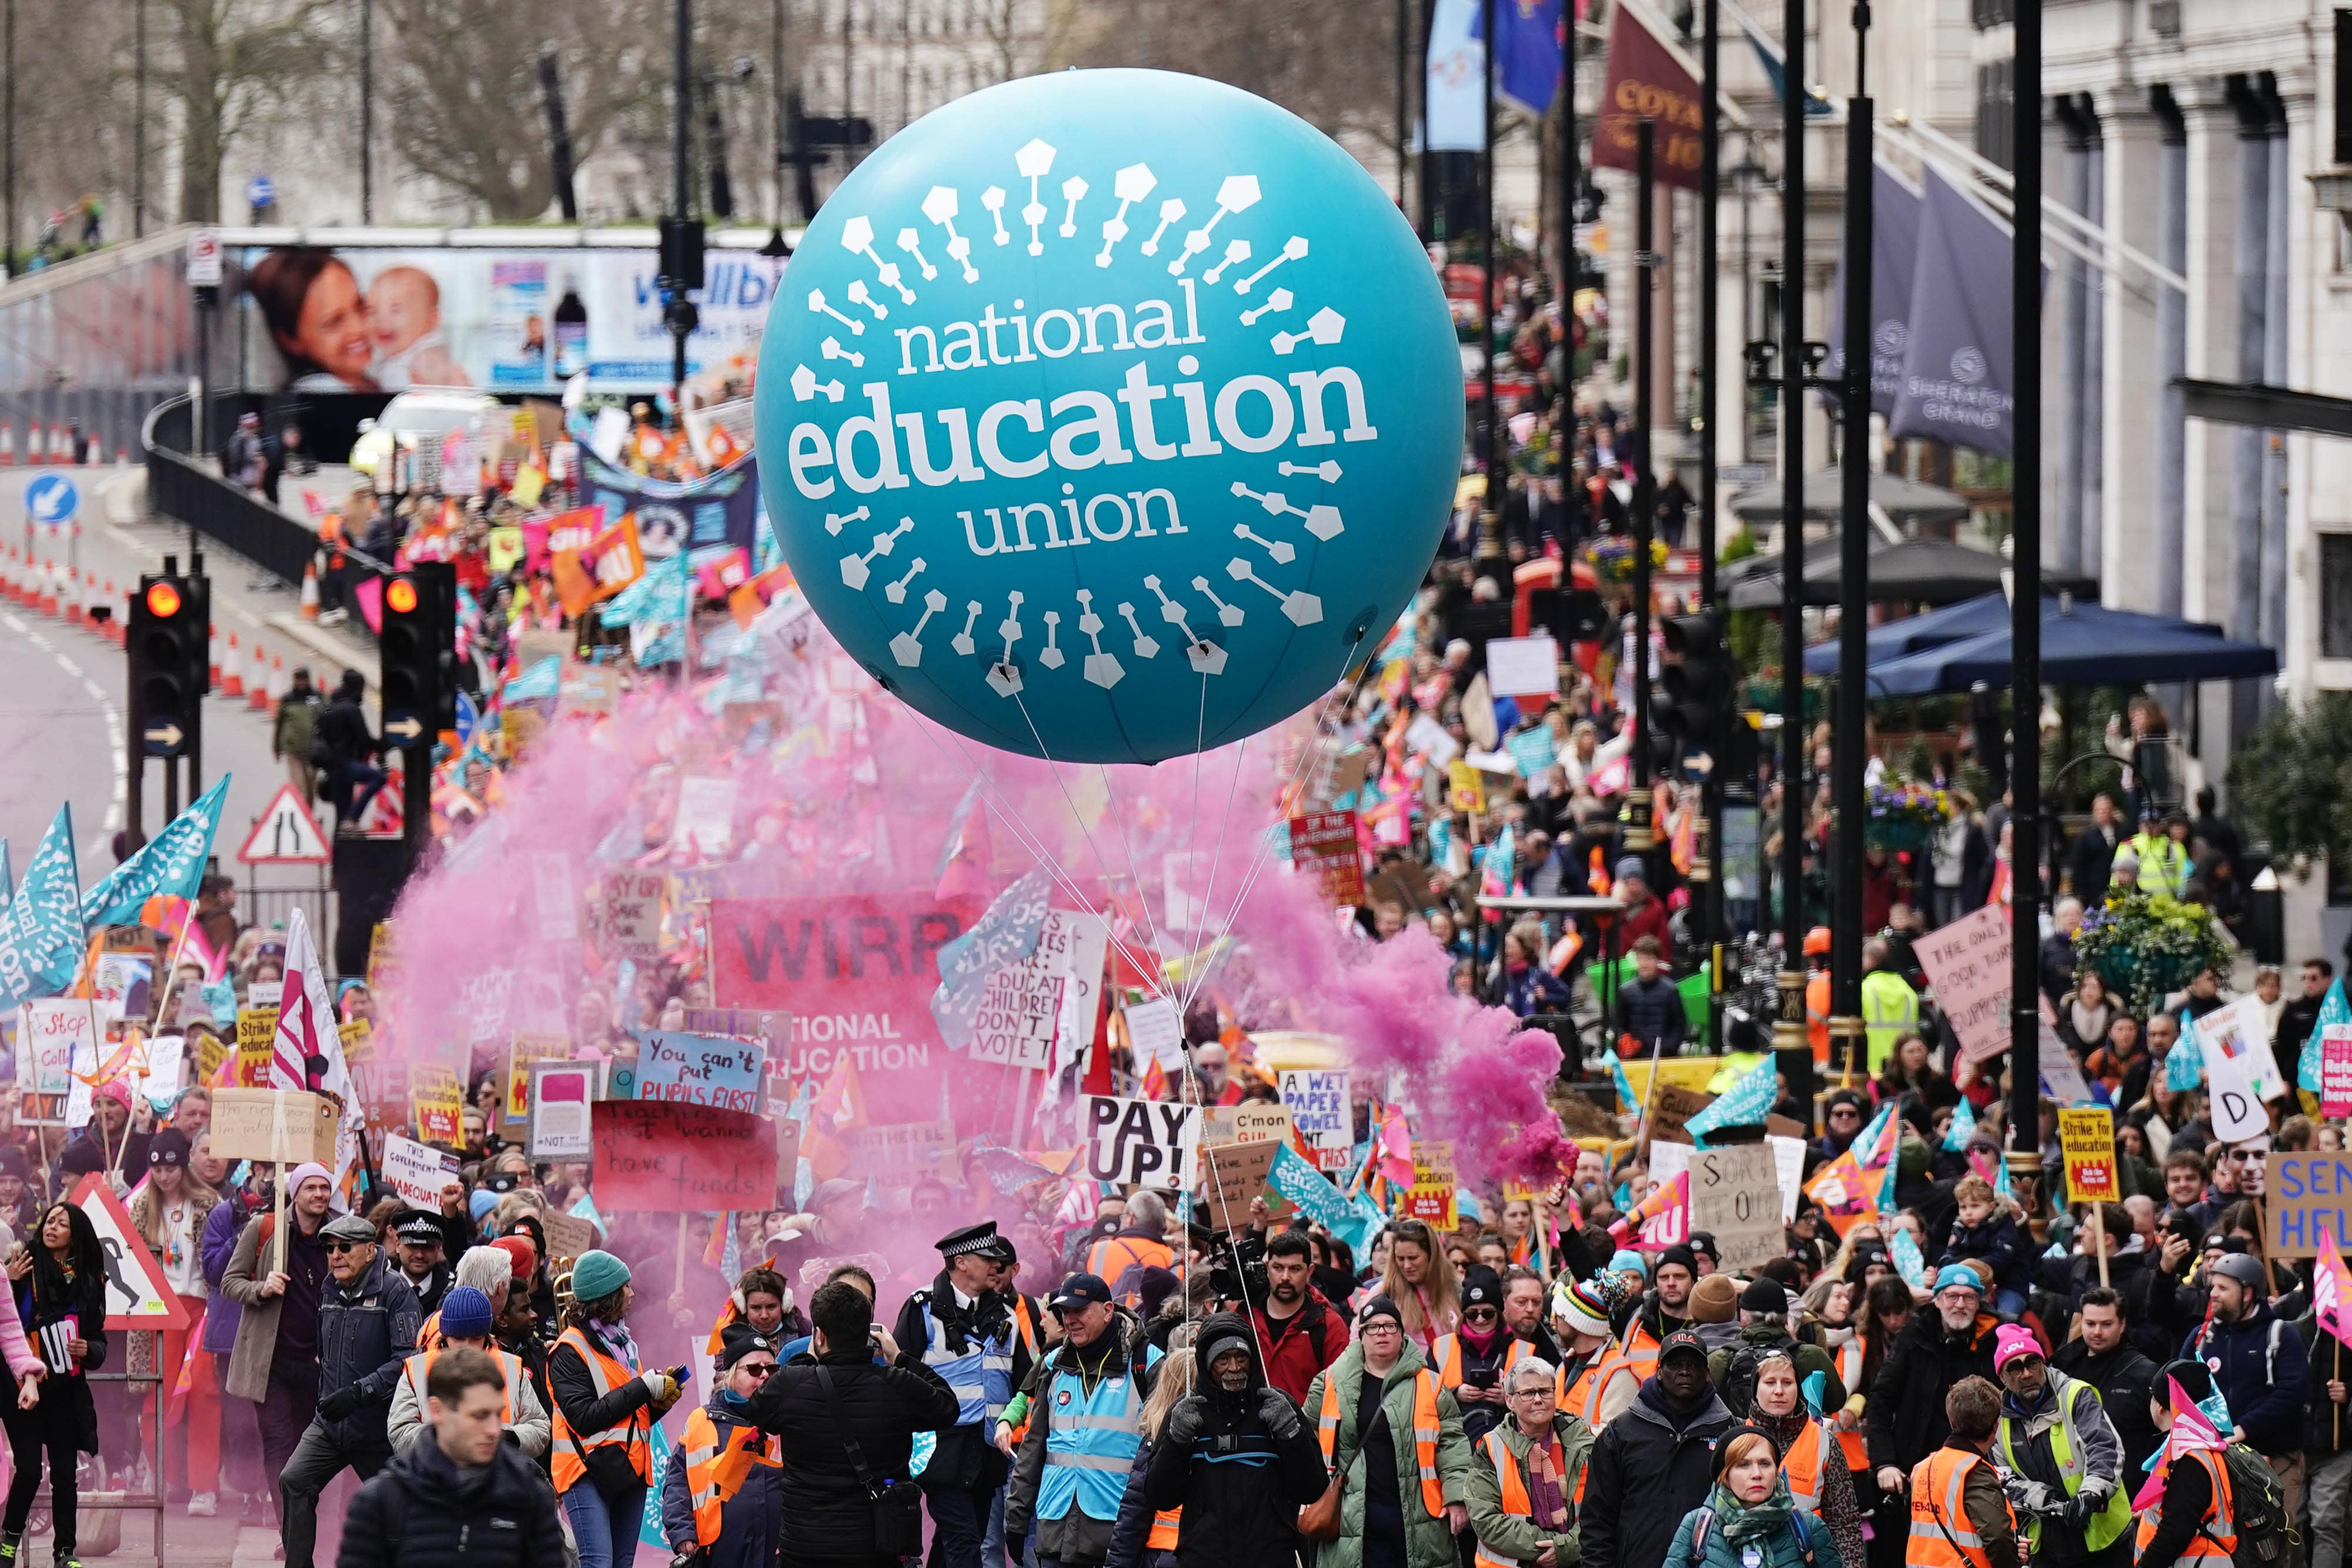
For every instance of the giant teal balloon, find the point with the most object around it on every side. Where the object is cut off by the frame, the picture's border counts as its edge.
(1109, 415)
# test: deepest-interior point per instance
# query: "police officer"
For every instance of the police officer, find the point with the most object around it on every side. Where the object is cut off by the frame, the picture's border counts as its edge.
(1086, 1419)
(966, 1334)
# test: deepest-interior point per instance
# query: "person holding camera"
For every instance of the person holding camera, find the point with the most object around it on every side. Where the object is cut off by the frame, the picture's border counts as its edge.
(1236, 1456)
(605, 1410)
(846, 1428)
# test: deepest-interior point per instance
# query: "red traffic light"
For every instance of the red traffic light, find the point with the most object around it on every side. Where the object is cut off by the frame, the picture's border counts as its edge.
(401, 594)
(162, 601)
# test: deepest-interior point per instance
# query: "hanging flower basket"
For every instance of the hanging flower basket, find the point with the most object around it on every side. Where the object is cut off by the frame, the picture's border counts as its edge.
(2144, 948)
(1902, 815)
(1612, 557)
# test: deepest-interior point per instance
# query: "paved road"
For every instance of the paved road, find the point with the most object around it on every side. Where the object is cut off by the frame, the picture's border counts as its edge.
(62, 686)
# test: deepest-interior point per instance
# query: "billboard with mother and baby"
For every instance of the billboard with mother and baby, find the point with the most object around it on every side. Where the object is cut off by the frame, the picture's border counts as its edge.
(386, 319)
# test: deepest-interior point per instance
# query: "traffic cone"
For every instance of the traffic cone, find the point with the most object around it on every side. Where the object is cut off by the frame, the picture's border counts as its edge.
(257, 694)
(232, 684)
(8, 443)
(34, 446)
(121, 458)
(60, 445)
(97, 458)
(311, 588)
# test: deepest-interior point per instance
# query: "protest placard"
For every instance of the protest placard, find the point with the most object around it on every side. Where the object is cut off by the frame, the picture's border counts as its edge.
(2235, 1044)
(1425, 737)
(628, 914)
(288, 1125)
(1323, 845)
(212, 1050)
(1789, 1165)
(1141, 1143)
(1317, 1105)
(523, 1048)
(587, 691)
(561, 1093)
(1256, 1120)
(1735, 1195)
(1431, 1199)
(1966, 962)
(1671, 1108)
(1465, 787)
(1237, 1174)
(1523, 666)
(665, 1158)
(706, 817)
(1155, 1032)
(2306, 1192)
(49, 1034)
(901, 1148)
(701, 1070)
(568, 1235)
(2087, 1134)
(439, 1099)
(2335, 1070)
(1088, 942)
(2061, 1077)
(358, 1036)
(417, 1172)
(1019, 1012)
(740, 1023)
(256, 1029)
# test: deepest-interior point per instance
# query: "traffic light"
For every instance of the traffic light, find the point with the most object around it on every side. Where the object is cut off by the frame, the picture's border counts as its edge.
(1697, 685)
(419, 646)
(169, 640)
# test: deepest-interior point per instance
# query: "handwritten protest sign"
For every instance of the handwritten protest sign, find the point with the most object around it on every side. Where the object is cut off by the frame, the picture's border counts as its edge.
(701, 1070)
(1155, 1032)
(1237, 1174)
(899, 1148)
(1020, 1009)
(288, 1125)
(628, 914)
(568, 1235)
(1967, 964)
(1735, 1194)
(1671, 1108)
(49, 1035)
(655, 1158)
(1316, 1103)
(561, 1094)
(2087, 1134)
(440, 1103)
(417, 1172)
(1323, 845)
(1141, 1143)
(2305, 1193)
(2335, 1070)
(1434, 1181)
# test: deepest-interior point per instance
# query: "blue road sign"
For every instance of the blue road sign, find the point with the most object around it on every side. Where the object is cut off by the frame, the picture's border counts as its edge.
(51, 500)
(261, 190)
(467, 718)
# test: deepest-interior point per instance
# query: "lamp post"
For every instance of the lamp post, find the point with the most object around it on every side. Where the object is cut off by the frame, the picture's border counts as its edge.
(367, 110)
(1638, 799)
(1490, 513)
(1789, 1033)
(1847, 1030)
(1706, 884)
(2025, 605)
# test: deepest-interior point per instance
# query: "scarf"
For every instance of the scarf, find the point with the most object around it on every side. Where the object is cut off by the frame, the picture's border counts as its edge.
(1548, 1495)
(617, 1340)
(1741, 1522)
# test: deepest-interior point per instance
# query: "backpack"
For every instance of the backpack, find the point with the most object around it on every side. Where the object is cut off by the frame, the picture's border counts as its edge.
(1706, 1518)
(2258, 1508)
(1739, 1385)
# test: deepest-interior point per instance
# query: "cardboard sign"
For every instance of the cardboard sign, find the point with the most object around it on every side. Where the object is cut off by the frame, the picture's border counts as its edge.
(49, 1034)
(440, 1099)
(587, 691)
(568, 1236)
(701, 1070)
(286, 1125)
(1523, 666)
(1323, 845)
(1434, 1182)
(654, 1159)
(416, 1172)
(2335, 1070)
(1735, 1194)
(2303, 1193)
(523, 1048)
(1966, 962)
(1237, 1174)
(1088, 939)
(561, 1094)
(1465, 787)
(1018, 1014)
(1317, 1105)
(2087, 1133)
(628, 914)
(137, 1295)
(1671, 1108)
(1141, 1143)
(901, 1148)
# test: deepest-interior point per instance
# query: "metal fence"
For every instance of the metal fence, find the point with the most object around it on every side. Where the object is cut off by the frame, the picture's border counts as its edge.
(182, 488)
(95, 342)
(272, 907)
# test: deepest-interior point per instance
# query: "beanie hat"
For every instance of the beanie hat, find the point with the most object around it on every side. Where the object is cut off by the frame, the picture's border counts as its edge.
(1682, 1255)
(1481, 1287)
(1626, 1261)
(1764, 1296)
(1220, 1331)
(1580, 1307)
(525, 1256)
(304, 1172)
(735, 1342)
(1628, 865)
(1959, 1275)
(481, 1202)
(596, 1274)
(1713, 1299)
(2012, 1341)
(1377, 1307)
(465, 1313)
(1723, 1444)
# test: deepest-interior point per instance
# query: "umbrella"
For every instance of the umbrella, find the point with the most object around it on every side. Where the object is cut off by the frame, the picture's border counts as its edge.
(1913, 570)
(2082, 645)
(1907, 501)
(1946, 624)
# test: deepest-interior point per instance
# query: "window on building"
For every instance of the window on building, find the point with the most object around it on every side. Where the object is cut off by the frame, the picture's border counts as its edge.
(1995, 108)
(2343, 85)
(1991, 13)
(2336, 596)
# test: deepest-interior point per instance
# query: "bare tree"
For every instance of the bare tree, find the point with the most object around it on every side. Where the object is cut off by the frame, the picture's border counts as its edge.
(225, 63)
(1332, 65)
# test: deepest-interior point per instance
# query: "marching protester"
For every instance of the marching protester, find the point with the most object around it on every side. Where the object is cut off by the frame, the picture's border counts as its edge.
(1961, 1516)
(1749, 1517)
(1085, 1424)
(172, 1211)
(723, 1501)
(1949, 1340)
(61, 1303)
(1593, 1382)
(1144, 1536)
(1235, 1457)
(1301, 1330)
(1393, 1446)
(1656, 1461)
(2198, 1515)
(1810, 1458)
(605, 1404)
(2056, 1440)
(1529, 1474)
(469, 1320)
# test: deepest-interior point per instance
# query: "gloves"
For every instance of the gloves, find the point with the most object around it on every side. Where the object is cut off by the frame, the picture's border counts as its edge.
(341, 1403)
(658, 1385)
(1185, 1421)
(687, 1557)
(2031, 1497)
(1279, 1414)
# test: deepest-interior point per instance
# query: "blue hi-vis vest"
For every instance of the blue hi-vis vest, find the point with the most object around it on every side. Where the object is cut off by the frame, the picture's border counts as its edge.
(982, 1377)
(1090, 1442)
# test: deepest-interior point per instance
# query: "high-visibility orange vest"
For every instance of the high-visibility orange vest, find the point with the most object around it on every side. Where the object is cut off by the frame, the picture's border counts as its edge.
(2217, 1534)
(1424, 1434)
(1114, 1255)
(1941, 1535)
(1807, 1458)
(1581, 1399)
(1640, 1349)
(1817, 1017)
(1446, 1358)
(428, 1334)
(1515, 1501)
(1849, 1365)
(716, 1471)
(1163, 1530)
(419, 1367)
(633, 1435)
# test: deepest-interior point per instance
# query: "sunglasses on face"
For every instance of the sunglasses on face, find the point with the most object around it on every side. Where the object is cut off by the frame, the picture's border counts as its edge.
(1480, 1314)
(345, 1246)
(762, 1369)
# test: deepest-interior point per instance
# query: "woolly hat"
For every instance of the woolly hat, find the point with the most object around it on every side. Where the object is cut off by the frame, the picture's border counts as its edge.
(1628, 865)
(1714, 1298)
(596, 1274)
(1723, 1445)
(1626, 1261)
(465, 1313)
(1763, 1296)
(525, 1256)
(2012, 1341)
(1959, 1276)
(1580, 1308)
(480, 1202)
(1221, 1332)
(304, 1172)
(1377, 1307)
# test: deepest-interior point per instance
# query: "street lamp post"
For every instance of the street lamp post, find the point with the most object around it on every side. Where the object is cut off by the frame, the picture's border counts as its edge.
(1847, 1030)
(139, 128)
(1789, 1038)
(367, 111)
(1490, 513)
(1638, 799)
(1706, 882)
(2025, 605)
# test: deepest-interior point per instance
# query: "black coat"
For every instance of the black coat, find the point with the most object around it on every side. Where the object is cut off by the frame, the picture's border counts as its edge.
(1646, 1474)
(342, 734)
(1248, 1463)
(1906, 1413)
(826, 1513)
(568, 1379)
(2123, 1378)
(420, 1509)
(85, 1302)
(365, 1332)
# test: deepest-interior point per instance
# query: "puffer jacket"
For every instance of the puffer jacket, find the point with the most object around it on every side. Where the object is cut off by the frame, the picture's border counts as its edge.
(2259, 1364)
(366, 1330)
(1241, 1466)
(1905, 1417)
(420, 1510)
(1428, 1541)
(1781, 1546)
(827, 1511)
(1515, 1536)
(1645, 1472)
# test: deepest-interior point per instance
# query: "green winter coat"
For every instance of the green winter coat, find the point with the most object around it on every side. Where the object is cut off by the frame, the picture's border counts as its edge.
(1509, 1535)
(1429, 1542)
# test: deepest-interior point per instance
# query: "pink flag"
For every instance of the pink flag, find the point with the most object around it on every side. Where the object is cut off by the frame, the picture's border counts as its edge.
(2192, 1431)
(2331, 1289)
(1663, 1217)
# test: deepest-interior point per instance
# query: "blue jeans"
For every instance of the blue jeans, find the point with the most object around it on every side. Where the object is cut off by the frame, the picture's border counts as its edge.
(606, 1529)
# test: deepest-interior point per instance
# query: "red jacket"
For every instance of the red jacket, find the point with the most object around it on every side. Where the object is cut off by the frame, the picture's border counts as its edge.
(1302, 1345)
(1648, 918)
